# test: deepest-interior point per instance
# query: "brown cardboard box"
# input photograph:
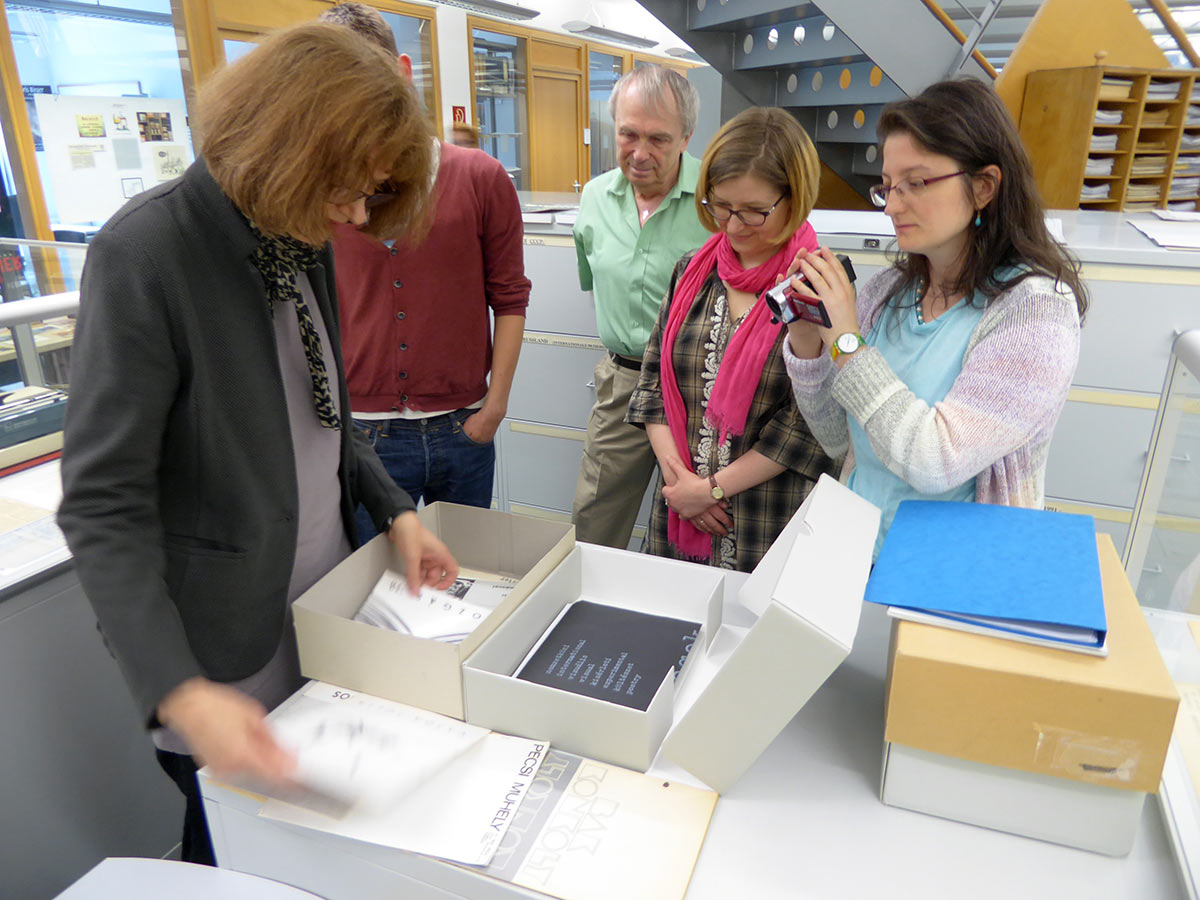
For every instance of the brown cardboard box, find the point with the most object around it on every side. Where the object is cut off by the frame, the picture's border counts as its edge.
(1101, 720)
(425, 673)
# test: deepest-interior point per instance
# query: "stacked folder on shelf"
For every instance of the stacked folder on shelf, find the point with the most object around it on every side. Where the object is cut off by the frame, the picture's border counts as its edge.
(1102, 142)
(1098, 166)
(1095, 192)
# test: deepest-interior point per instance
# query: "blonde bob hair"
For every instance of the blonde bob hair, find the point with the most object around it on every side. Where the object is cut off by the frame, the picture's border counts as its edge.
(311, 112)
(769, 144)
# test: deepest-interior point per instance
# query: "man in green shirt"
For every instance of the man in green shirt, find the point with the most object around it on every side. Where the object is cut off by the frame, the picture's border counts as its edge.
(634, 223)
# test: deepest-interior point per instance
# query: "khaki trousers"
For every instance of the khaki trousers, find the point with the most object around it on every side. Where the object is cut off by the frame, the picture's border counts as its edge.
(617, 463)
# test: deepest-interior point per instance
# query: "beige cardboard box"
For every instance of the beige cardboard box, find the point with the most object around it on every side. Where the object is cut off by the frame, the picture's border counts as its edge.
(425, 673)
(1057, 745)
(742, 684)
(1102, 720)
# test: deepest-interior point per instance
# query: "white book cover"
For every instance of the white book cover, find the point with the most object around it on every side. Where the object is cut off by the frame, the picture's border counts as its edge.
(441, 615)
(391, 774)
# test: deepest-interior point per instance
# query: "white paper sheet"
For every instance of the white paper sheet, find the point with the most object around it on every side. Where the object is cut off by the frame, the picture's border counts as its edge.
(846, 221)
(460, 784)
(1172, 234)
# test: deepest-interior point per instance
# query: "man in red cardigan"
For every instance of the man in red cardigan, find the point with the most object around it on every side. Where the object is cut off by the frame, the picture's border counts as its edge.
(415, 328)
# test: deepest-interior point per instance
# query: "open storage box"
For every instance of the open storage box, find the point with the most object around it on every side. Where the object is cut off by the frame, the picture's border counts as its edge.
(425, 673)
(1047, 743)
(807, 596)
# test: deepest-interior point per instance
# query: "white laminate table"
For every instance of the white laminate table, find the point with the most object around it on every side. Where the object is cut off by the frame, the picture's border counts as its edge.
(804, 822)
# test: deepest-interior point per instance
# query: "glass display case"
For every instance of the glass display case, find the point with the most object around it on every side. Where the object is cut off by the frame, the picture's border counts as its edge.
(501, 93)
(1162, 558)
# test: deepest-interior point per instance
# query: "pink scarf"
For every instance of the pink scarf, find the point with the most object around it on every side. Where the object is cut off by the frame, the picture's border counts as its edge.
(741, 368)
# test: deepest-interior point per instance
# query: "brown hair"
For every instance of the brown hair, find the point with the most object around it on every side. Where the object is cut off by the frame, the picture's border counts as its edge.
(364, 20)
(770, 144)
(314, 110)
(965, 120)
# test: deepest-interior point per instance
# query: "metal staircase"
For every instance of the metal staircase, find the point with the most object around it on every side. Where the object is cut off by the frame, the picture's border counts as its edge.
(834, 66)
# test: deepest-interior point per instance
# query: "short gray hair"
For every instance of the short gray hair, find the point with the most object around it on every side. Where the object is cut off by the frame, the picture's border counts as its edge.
(654, 84)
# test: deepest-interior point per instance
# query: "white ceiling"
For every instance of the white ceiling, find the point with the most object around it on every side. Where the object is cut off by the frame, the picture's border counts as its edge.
(617, 15)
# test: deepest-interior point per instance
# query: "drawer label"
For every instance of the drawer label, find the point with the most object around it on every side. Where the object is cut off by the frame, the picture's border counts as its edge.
(562, 340)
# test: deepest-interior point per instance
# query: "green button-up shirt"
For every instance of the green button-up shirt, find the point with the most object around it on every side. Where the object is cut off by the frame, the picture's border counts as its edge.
(628, 266)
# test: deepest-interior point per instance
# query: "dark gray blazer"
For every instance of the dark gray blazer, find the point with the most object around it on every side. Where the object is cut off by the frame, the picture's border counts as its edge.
(179, 483)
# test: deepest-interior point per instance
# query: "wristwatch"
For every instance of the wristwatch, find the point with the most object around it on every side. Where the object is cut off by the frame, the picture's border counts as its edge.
(718, 492)
(846, 343)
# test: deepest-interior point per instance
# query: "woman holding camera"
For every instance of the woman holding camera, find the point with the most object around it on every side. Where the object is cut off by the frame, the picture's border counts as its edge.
(734, 456)
(945, 378)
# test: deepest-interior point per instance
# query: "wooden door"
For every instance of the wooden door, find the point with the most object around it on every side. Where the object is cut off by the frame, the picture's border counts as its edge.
(556, 131)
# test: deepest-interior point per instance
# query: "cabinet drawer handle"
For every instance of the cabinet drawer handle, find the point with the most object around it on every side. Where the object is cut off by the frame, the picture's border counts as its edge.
(590, 384)
(1152, 570)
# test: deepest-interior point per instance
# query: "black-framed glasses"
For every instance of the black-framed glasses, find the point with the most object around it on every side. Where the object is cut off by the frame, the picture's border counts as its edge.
(371, 199)
(906, 187)
(753, 217)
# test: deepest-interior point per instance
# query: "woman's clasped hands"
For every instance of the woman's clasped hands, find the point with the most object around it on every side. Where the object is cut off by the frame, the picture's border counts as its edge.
(690, 495)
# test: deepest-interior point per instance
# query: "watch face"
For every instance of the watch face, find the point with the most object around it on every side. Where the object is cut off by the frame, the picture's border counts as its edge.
(717, 493)
(848, 343)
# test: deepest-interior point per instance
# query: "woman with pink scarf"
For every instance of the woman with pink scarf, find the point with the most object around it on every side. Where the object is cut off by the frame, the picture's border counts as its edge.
(735, 457)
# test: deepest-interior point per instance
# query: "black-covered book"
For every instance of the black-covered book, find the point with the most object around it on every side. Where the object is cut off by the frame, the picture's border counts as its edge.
(610, 653)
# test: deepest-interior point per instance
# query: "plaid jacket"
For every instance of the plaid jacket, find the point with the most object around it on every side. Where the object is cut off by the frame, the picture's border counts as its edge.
(774, 427)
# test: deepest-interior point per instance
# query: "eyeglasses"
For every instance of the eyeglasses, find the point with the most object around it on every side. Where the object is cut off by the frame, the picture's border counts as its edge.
(371, 199)
(908, 187)
(752, 217)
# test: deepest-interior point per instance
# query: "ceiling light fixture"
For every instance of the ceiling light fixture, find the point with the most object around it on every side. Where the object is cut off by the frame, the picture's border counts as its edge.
(685, 53)
(578, 26)
(494, 8)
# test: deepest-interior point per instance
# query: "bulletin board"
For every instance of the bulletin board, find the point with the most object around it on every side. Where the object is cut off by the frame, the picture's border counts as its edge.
(101, 151)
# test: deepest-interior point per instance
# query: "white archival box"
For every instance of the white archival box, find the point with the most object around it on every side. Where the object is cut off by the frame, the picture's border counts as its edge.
(741, 685)
(1059, 810)
(610, 732)
(426, 673)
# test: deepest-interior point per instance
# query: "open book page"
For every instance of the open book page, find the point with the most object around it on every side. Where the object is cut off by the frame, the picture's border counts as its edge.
(400, 776)
(448, 615)
(591, 831)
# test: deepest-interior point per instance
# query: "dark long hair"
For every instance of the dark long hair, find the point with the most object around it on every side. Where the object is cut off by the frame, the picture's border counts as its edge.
(965, 120)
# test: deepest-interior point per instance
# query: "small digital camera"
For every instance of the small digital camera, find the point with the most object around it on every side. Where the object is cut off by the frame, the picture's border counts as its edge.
(787, 306)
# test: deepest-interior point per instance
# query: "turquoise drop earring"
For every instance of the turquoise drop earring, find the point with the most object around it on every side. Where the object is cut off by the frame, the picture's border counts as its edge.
(978, 219)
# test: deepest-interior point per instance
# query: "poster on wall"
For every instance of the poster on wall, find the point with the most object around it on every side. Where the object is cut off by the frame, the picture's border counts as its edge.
(90, 125)
(145, 141)
(31, 91)
(155, 126)
(169, 161)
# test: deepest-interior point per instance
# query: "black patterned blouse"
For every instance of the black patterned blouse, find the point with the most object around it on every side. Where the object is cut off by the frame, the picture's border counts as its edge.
(774, 428)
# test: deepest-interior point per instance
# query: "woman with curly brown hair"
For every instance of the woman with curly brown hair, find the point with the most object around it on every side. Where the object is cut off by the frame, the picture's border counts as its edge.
(945, 376)
(210, 475)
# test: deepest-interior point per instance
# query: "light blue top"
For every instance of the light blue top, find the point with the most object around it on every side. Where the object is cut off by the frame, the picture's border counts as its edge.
(927, 357)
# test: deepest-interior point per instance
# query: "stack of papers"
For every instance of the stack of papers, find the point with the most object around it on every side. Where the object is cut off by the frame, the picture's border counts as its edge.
(1023, 574)
(1150, 147)
(1140, 207)
(1152, 118)
(1108, 117)
(1095, 192)
(1171, 234)
(1146, 192)
(1186, 165)
(1181, 205)
(1112, 88)
(1190, 141)
(1163, 90)
(1148, 165)
(1185, 187)
(1193, 114)
(1103, 142)
(1099, 166)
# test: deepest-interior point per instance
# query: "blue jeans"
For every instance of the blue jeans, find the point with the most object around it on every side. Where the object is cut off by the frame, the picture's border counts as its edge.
(432, 459)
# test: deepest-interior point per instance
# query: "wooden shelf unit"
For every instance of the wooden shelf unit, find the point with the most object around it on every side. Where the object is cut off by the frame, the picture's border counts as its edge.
(1058, 125)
